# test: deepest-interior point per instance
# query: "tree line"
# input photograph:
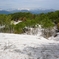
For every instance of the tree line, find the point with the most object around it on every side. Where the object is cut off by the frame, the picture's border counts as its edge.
(46, 20)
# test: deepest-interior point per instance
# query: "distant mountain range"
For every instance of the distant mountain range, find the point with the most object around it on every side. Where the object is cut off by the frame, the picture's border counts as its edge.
(34, 11)
(4, 12)
(38, 11)
(14, 11)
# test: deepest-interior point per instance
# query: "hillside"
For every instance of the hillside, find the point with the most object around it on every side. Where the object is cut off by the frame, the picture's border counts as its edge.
(29, 20)
(36, 35)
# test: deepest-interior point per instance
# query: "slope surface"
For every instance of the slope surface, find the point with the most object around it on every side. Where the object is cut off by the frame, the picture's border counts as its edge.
(16, 46)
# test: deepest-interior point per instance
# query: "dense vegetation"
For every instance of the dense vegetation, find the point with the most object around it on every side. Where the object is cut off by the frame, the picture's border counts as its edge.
(47, 21)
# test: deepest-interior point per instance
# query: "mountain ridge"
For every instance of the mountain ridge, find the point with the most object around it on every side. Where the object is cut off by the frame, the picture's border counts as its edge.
(4, 12)
(34, 11)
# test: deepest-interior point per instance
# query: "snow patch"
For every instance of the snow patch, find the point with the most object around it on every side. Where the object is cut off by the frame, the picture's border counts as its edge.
(16, 46)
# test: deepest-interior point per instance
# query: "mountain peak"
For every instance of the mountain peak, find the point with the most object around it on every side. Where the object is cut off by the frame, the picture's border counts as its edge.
(23, 9)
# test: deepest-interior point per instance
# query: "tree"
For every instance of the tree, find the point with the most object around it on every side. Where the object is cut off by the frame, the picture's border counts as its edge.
(2, 19)
(47, 24)
(8, 23)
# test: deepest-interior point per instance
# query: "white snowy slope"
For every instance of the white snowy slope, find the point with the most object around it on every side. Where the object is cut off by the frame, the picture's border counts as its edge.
(16, 46)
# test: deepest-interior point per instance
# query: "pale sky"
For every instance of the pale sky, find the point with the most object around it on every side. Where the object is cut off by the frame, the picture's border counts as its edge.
(29, 4)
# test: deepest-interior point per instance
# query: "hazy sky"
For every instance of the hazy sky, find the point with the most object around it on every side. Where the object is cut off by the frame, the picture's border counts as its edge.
(29, 4)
